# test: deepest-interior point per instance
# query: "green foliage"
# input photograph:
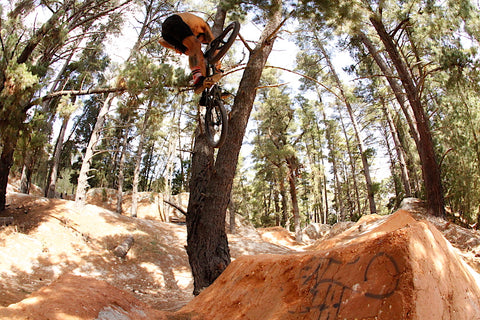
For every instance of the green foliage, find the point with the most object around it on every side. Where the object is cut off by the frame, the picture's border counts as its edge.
(180, 179)
(17, 88)
(141, 73)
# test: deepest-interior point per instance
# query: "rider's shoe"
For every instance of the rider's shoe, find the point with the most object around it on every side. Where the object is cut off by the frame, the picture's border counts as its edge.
(197, 79)
(200, 82)
(196, 74)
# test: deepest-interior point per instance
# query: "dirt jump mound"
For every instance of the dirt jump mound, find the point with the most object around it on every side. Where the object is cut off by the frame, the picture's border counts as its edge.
(395, 268)
(391, 267)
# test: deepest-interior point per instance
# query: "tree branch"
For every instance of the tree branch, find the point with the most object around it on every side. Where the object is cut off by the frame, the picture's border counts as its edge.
(176, 207)
(306, 77)
(245, 43)
(277, 29)
(273, 85)
(76, 93)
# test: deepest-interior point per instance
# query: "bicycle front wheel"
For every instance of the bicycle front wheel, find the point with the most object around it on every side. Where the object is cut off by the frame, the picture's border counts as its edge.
(223, 42)
(216, 124)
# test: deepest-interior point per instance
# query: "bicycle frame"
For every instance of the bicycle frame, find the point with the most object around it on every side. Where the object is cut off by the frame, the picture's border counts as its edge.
(216, 118)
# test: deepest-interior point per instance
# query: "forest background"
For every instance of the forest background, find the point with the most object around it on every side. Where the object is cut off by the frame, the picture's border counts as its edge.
(73, 116)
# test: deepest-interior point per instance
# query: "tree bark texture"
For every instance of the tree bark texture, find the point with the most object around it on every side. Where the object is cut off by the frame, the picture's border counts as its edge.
(212, 179)
(6, 161)
(82, 185)
(292, 181)
(51, 188)
(426, 151)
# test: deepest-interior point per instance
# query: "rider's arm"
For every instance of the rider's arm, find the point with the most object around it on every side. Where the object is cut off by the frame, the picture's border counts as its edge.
(208, 33)
(168, 45)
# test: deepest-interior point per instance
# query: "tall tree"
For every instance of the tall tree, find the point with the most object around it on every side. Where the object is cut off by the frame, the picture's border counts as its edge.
(276, 141)
(313, 140)
(425, 146)
(211, 180)
(356, 129)
(23, 63)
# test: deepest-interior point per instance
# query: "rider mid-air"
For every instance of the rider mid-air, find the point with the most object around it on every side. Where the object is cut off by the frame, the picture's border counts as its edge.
(185, 33)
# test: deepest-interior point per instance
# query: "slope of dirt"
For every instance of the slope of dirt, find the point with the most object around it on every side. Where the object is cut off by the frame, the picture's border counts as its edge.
(280, 236)
(56, 262)
(395, 268)
(465, 241)
(92, 299)
(51, 237)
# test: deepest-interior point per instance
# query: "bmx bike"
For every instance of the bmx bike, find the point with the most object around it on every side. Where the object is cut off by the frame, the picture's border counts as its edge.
(215, 118)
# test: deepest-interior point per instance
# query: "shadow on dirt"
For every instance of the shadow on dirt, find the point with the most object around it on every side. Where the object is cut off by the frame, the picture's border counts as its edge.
(155, 269)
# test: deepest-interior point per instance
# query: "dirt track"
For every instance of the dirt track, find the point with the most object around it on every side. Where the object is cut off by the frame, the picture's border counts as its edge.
(52, 242)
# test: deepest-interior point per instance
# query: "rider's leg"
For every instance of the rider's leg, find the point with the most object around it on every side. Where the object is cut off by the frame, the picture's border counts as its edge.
(195, 57)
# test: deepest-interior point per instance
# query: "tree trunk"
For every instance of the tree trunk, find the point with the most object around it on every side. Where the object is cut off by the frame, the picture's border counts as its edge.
(26, 179)
(426, 150)
(336, 181)
(353, 167)
(121, 167)
(392, 81)
(360, 144)
(284, 221)
(122, 249)
(56, 159)
(138, 161)
(6, 161)
(314, 152)
(82, 185)
(292, 181)
(325, 194)
(211, 181)
(276, 204)
(399, 151)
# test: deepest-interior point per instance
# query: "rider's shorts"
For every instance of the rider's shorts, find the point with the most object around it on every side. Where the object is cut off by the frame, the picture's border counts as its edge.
(174, 31)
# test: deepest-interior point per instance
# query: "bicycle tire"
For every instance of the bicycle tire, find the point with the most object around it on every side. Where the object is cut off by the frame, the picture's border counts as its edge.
(219, 47)
(216, 122)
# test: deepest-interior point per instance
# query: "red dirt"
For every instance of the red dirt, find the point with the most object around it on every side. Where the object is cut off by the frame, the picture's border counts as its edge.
(278, 235)
(74, 297)
(56, 262)
(399, 269)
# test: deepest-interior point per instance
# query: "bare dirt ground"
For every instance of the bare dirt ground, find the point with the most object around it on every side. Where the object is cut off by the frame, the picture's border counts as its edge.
(56, 262)
(51, 237)
(391, 267)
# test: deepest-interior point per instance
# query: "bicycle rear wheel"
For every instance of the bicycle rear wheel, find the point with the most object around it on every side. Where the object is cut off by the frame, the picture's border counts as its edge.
(216, 123)
(220, 45)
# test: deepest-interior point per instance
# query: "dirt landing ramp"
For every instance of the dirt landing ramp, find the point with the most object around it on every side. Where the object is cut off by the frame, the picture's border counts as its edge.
(388, 268)
(73, 297)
